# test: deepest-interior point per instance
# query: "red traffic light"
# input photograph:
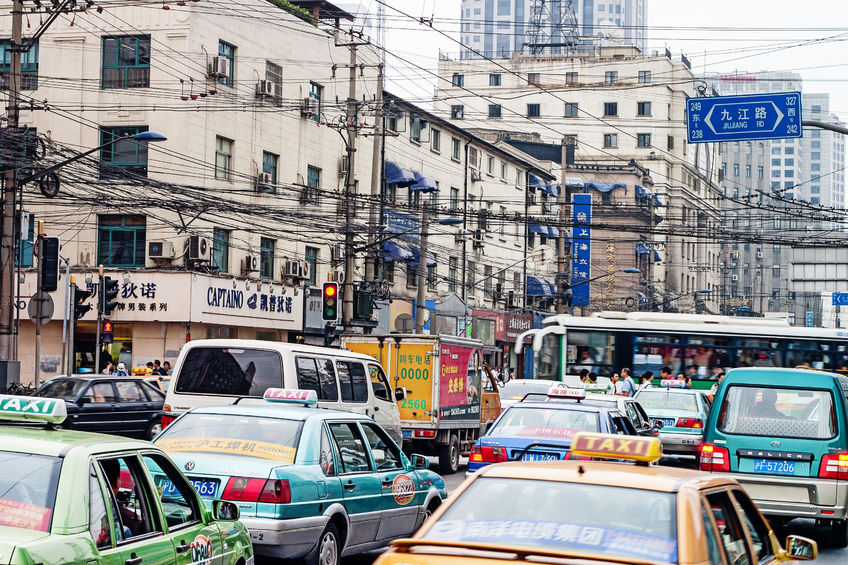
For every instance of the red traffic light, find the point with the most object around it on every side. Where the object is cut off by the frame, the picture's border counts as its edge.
(329, 310)
(330, 289)
(107, 327)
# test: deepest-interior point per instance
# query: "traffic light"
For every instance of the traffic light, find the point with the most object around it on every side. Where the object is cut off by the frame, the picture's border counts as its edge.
(106, 332)
(80, 307)
(109, 291)
(49, 263)
(330, 301)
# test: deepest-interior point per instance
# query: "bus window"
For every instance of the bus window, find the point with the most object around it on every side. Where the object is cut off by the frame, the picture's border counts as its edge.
(592, 351)
(758, 353)
(548, 366)
(706, 357)
(652, 352)
(808, 355)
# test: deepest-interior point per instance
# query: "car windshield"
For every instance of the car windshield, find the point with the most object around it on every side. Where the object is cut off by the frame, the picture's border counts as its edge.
(515, 390)
(28, 490)
(66, 389)
(248, 436)
(666, 400)
(560, 423)
(604, 521)
(230, 371)
(778, 412)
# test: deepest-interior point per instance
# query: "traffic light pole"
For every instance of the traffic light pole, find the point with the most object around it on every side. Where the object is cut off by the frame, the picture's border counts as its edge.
(40, 277)
(71, 327)
(98, 348)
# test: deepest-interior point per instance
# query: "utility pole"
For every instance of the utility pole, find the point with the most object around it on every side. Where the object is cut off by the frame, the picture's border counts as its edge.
(39, 297)
(376, 182)
(422, 266)
(347, 292)
(561, 255)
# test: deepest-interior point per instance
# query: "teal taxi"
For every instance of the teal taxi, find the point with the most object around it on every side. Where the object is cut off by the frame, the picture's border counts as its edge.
(79, 497)
(308, 482)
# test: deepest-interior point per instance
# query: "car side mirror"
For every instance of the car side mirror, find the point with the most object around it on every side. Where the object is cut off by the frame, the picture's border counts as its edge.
(401, 393)
(800, 548)
(224, 510)
(83, 400)
(419, 461)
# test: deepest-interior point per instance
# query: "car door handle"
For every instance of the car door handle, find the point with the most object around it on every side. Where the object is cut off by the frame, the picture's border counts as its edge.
(350, 486)
(184, 547)
(133, 561)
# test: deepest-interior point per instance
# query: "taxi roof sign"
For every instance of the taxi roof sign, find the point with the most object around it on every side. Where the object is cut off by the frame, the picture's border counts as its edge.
(573, 393)
(595, 387)
(291, 396)
(673, 383)
(613, 446)
(29, 409)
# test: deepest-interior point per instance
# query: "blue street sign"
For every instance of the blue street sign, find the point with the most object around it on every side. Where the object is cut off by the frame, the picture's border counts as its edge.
(751, 116)
(581, 258)
(809, 319)
(840, 298)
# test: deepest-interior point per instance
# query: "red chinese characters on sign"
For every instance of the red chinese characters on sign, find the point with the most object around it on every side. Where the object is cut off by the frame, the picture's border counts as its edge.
(516, 324)
(24, 515)
(454, 389)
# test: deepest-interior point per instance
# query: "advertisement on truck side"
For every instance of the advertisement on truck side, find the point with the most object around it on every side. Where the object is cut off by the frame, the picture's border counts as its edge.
(459, 384)
(413, 366)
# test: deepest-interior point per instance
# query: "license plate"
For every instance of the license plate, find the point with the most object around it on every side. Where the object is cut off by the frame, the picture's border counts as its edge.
(774, 466)
(407, 433)
(205, 488)
(667, 422)
(534, 456)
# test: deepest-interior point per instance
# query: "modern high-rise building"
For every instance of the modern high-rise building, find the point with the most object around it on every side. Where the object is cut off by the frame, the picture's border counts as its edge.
(499, 28)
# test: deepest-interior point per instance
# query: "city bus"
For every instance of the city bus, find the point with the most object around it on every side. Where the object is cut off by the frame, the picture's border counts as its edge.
(698, 346)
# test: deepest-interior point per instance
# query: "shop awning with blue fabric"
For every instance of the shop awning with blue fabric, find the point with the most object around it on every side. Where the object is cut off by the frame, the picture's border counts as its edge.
(657, 201)
(642, 248)
(537, 287)
(605, 186)
(551, 287)
(551, 189)
(423, 184)
(416, 257)
(539, 228)
(657, 257)
(394, 252)
(395, 174)
(536, 182)
(552, 231)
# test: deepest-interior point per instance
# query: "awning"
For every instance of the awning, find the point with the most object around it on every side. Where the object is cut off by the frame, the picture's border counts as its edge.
(397, 175)
(537, 287)
(536, 182)
(657, 201)
(552, 287)
(415, 258)
(423, 184)
(539, 228)
(657, 257)
(551, 189)
(394, 252)
(574, 182)
(605, 186)
(552, 231)
(642, 248)
(642, 192)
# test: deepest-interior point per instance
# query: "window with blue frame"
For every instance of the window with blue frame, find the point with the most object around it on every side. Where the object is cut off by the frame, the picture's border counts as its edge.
(313, 181)
(121, 241)
(312, 261)
(124, 156)
(316, 91)
(126, 62)
(221, 249)
(25, 250)
(29, 66)
(228, 52)
(270, 162)
(266, 258)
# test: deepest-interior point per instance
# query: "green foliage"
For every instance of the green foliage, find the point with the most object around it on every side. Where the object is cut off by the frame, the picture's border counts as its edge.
(296, 11)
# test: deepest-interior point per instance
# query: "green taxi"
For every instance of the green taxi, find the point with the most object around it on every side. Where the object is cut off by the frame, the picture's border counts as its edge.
(78, 497)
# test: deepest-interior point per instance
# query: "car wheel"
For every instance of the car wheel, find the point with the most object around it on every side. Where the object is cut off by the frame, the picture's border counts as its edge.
(154, 429)
(839, 533)
(328, 549)
(449, 456)
(429, 512)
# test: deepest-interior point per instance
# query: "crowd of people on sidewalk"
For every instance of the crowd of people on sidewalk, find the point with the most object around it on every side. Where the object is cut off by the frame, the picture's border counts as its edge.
(155, 367)
(622, 383)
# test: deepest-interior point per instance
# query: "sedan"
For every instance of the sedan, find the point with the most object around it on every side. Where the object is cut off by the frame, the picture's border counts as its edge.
(682, 413)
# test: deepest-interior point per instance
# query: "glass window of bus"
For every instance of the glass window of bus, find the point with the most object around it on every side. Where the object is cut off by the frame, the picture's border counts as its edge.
(706, 357)
(758, 353)
(652, 352)
(548, 366)
(592, 351)
(840, 358)
(808, 355)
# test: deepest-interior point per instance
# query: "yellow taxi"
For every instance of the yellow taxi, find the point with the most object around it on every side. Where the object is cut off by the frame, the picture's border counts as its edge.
(588, 510)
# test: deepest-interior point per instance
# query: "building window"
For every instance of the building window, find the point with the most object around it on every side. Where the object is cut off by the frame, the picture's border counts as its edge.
(487, 280)
(815, 200)
(571, 109)
(270, 162)
(435, 140)
(815, 167)
(458, 80)
(571, 79)
(411, 275)
(789, 162)
(431, 277)
(815, 189)
(534, 110)
(747, 171)
(316, 92)
(223, 158)
(457, 111)
(643, 140)
(452, 280)
(228, 52)
(266, 258)
(414, 198)
(760, 171)
(791, 150)
(815, 156)
(643, 108)
(611, 77)
(221, 250)
(494, 110)
(121, 241)
(124, 156)
(454, 199)
(490, 165)
(760, 149)
(126, 62)
(455, 149)
(473, 158)
(735, 169)
(644, 77)
(29, 66)
(670, 142)
(312, 261)
(610, 108)
(815, 108)
(470, 276)
(532, 78)
(313, 181)
(610, 140)
(274, 75)
(494, 80)
(504, 171)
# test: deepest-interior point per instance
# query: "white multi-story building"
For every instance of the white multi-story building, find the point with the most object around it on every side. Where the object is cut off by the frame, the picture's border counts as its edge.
(823, 156)
(499, 28)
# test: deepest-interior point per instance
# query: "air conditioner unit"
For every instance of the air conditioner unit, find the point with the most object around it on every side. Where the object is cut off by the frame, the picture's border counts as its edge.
(308, 195)
(309, 106)
(219, 67)
(476, 176)
(160, 249)
(292, 269)
(265, 182)
(337, 253)
(734, 278)
(335, 276)
(268, 88)
(251, 263)
(478, 238)
(199, 248)
(343, 165)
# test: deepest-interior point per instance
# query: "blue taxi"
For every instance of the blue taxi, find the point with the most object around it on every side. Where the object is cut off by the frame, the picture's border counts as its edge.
(309, 483)
(682, 412)
(542, 430)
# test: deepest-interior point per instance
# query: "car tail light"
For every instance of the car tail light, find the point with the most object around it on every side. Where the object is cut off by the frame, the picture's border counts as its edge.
(714, 458)
(696, 423)
(167, 418)
(276, 491)
(475, 456)
(424, 433)
(834, 466)
(488, 454)
(243, 489)
(572, 457)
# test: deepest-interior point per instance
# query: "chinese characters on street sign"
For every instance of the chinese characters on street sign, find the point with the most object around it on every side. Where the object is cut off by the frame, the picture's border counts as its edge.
(751, 116)
(582, 248)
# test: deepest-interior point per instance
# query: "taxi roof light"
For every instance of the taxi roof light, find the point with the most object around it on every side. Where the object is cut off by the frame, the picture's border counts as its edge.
(573, 393)
(291, 396)
(673, 383)
(613, 446)
(32, 409)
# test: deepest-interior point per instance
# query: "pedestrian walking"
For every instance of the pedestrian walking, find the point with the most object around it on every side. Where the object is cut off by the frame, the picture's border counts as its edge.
(647, 380)
(628, 385)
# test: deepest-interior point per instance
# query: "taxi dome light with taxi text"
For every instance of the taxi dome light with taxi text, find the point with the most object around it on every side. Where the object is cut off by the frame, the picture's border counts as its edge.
(29, 409)
(291, 396)
(612, 446)
(834, 466)
(673, 383)
(577, 394)
(714, 458)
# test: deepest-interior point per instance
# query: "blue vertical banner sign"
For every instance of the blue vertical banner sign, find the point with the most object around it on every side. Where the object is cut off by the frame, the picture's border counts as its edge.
(581, 257)
(809, 319)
